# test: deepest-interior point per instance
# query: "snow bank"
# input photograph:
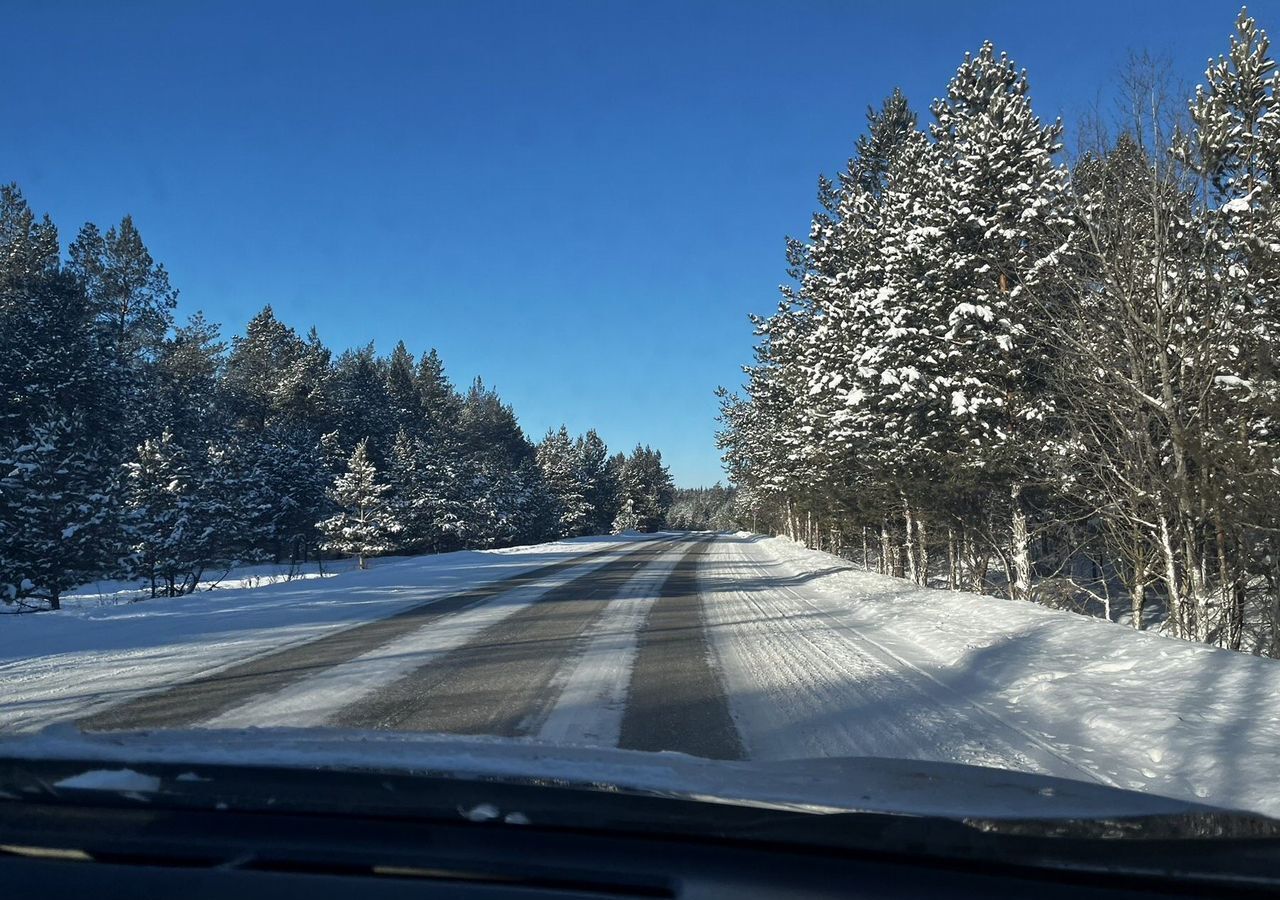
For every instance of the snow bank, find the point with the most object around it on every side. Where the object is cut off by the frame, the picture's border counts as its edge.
(1133, 710)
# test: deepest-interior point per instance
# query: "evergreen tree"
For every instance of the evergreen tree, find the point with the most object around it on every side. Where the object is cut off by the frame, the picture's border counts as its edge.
(175, 514)
(131, 302)
(562, 471)
(56, 474)
(440, 403)
(55, 508)
(600, 480)
(627, 520)
(365, 524)
(257, 367)
(188, 380)
(361, 406)
(429, 504)
(648, 489)
(402, 390)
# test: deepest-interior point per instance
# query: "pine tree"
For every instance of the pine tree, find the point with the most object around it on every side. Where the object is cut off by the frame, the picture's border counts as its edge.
(361, 407)
(600, 480)
(648, 489)
(176, 514)
(188, 380)
(439, 401)
(562, 471)
(364, 525)
(429, 504)
(56, 420)
(55, 509)
(627, 520)
(508, 499)
(259, 363)
(403, 396)
(131, 302)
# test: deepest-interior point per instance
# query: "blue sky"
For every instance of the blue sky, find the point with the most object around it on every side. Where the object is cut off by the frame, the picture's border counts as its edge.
(580, 202)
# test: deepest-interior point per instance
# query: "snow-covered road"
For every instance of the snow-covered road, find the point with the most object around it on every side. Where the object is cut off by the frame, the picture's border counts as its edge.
(723, 646)
(804, 681)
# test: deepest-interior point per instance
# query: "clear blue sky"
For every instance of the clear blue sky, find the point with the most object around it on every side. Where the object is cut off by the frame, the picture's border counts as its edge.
(580, 202)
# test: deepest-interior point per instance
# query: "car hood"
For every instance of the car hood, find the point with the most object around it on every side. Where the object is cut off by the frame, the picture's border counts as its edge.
(843, 784)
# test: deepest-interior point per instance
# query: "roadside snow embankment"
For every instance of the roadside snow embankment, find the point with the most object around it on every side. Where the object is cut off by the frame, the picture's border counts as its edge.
(1134, 710)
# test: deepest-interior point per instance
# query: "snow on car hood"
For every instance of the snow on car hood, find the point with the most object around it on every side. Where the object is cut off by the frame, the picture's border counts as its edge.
(856, 784)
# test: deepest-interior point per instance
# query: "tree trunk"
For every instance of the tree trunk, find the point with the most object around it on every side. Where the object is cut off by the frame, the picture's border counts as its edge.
(1273, 601)
(886, 543)
(865, 563)
(1137, 600)
(1198, 596)
(953, 576)
(923, 560)
(1020, 551)
(1172, 584)
(977, 561)
(1232, 591)
(908, 547)
(361, 561)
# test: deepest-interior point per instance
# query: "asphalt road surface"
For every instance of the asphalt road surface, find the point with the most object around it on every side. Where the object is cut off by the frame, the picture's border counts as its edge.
(509, 678)
(697, 643)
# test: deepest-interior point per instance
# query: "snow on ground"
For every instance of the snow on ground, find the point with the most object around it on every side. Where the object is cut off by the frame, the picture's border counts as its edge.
(818, 659)
(821, 659)
(58, 664)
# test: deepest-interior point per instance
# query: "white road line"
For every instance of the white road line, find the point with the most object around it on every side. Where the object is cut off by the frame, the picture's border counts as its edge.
(593, 698)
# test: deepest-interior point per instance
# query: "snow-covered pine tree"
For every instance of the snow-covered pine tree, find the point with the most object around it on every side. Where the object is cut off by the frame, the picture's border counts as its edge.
(175, 514)
(188, 380)
(259, 360)
(403, 397)
(56, 420)
(647, 484)
(359, 402)
(971, 287)
(508, 499)
(56, 505)
(562, 471)
(426, 493)
(627, 520)
(600, 481)
(1234, 151)
(439, 401)
(365, 523)
(131, 303)
(851, 465)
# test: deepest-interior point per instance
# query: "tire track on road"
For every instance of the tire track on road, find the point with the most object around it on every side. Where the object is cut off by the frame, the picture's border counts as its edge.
(677, 701)
(503, 681)
(833, 660)
(207, 696)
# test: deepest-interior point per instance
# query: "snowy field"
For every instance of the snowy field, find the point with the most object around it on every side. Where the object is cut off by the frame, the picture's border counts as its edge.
(809, 657)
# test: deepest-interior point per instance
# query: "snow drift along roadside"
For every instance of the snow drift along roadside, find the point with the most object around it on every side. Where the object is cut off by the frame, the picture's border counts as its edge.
(1136, 710)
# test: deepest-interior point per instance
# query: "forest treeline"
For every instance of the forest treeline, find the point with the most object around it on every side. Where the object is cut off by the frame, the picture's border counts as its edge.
(1002, 370)
(134, 447)
(703, 509)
